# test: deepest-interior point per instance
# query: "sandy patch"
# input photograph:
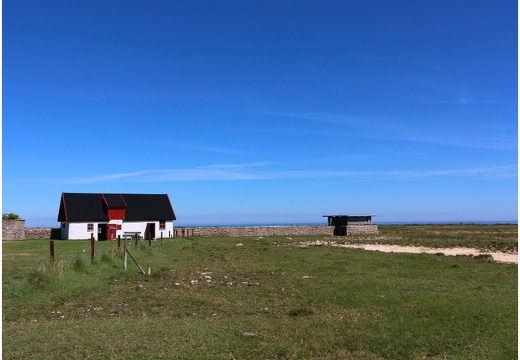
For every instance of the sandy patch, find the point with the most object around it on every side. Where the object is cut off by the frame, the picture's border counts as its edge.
(497, 256)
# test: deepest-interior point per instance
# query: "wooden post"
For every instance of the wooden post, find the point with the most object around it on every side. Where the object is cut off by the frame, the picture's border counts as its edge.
(124, 255)
(91, 247)
(52, 250)
(136, 239)
(118, 242)
(161, 237)
(139, 266)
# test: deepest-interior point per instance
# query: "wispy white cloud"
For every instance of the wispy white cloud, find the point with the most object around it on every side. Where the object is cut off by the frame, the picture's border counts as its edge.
(471, 137)
(326, 118)
(198, 147)
(110, 177)
(235, 166)
(256, 171)
(463, 100)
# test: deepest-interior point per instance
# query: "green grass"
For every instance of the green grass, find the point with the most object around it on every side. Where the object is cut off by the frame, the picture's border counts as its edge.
(487, 237)
(207, 298)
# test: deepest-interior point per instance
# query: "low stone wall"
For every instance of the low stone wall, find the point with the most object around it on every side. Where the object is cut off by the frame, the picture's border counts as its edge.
(13, 229)
(277, 230)
(362, 229)
(48, 233)
(38, 233)
(262, 231)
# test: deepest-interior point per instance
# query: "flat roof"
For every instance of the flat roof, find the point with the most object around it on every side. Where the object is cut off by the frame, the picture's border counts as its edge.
(348, 215)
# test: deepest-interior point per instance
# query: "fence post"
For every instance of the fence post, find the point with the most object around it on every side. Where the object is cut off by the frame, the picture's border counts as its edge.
(118, 242)
(52, 250)
(91, 247)
(125, 255)
(136, 239)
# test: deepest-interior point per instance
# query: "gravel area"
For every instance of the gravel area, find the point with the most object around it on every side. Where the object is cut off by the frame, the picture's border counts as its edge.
(497, 256)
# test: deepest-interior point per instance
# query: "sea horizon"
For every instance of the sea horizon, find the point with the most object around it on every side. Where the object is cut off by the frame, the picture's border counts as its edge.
(260, 224)
(515, 222)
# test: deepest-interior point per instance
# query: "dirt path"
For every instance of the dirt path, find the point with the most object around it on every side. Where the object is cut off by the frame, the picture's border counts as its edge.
(497, 256)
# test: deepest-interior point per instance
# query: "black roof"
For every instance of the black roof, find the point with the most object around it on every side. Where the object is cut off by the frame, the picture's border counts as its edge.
(93, 207)
(369, 215)
(114, 200)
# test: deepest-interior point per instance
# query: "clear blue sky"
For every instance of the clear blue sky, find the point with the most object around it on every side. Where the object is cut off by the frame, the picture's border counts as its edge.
(264, 111)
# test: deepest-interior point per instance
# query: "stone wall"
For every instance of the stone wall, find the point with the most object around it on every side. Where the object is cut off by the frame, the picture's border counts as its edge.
(362, 229)
(274, 230)
(278, 230)
(38, 233)
(47, 233)
(33, 233)
(13, 229)
(261, 230)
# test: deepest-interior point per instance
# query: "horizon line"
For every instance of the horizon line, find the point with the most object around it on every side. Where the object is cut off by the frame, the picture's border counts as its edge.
(309, 223)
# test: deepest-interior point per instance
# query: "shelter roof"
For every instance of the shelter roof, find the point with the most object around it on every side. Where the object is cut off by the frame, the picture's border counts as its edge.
(369, 215)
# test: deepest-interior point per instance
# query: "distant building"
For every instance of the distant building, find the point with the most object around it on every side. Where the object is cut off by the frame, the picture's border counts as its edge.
(352, 224)
(107, 216)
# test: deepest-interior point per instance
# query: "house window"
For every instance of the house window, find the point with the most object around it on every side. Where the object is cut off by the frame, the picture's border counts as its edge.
(90, 227)
(162, 225)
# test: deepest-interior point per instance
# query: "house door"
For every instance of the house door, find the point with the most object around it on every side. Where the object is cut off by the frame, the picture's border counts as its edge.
(111, 232)
(150, 231)
(102, 231)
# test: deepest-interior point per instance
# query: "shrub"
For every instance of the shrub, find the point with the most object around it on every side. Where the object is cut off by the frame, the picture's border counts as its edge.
(10, 216)
(105, 258)
(55, 267)
(79, 265)
(39, 280)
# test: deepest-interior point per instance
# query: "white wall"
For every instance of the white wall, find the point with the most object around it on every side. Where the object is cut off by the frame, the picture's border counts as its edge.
(167, 232)
(141, 228)
(132, 227)
(79, 230)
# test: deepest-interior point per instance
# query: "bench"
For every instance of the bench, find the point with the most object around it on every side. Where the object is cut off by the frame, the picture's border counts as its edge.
(132, 234)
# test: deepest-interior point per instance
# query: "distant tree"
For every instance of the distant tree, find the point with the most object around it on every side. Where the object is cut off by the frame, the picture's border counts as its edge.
(10, 216)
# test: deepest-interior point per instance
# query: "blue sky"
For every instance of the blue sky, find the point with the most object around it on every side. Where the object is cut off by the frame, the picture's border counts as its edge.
(263, 111)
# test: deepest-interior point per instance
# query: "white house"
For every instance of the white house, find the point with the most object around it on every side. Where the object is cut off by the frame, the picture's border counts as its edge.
(107, 216)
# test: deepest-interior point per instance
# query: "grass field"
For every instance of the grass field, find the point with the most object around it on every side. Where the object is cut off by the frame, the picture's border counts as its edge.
(263, 298)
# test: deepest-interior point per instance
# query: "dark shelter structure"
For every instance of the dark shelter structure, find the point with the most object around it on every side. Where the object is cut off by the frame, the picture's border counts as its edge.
(352, 224)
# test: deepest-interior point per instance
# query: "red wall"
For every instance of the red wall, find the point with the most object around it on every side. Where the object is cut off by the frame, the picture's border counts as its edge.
(116, 214)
